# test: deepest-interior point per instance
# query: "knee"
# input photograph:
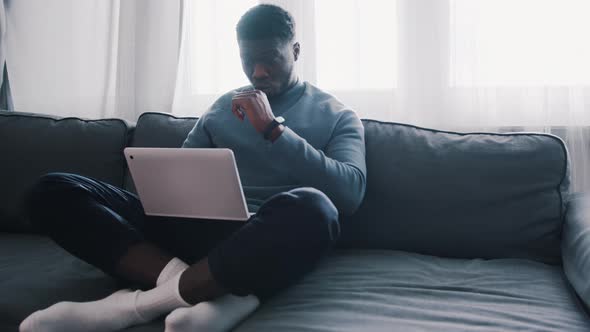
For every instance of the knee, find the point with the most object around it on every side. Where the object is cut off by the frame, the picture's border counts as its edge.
(49, 184)
(47, 191)
(316, 213)
(315, 202)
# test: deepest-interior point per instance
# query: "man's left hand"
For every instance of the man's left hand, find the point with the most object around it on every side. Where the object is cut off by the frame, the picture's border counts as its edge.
(255, 106)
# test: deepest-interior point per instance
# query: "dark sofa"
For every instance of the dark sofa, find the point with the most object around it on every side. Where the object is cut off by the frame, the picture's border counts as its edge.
(457, 232)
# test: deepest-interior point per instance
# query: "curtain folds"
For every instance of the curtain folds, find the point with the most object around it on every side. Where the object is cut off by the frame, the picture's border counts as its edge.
(440, 58)
(93, 58)
(5, 96)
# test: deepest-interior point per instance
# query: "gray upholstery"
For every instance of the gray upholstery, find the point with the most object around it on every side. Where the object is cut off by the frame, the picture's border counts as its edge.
(33, 144)
(433, 192)
(461, 195)
(391, 291)
(576, 245)
(161, 130)
(357, 290)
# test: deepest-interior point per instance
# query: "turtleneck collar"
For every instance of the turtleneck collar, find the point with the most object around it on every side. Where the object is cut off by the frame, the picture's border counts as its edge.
(284, 101)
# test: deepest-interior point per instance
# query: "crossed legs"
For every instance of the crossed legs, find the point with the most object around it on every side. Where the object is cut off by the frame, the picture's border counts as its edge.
(106, 227)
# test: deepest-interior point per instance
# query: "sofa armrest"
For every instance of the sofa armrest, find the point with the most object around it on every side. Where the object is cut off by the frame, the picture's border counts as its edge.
(575, 245)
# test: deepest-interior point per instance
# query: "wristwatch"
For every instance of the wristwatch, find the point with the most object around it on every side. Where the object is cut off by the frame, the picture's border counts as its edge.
(271, 126)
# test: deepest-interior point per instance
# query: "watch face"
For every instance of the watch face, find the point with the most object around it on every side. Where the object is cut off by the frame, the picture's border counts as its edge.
(271, 126)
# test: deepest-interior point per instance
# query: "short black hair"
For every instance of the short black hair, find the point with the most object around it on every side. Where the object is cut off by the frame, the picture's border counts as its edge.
(266, 22)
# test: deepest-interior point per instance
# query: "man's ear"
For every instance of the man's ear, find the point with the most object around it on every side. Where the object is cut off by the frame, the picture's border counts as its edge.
(296, 50)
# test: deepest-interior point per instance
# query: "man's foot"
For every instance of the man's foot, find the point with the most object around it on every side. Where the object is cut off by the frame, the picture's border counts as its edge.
(112, 313)
(120, 310)
(221, 314)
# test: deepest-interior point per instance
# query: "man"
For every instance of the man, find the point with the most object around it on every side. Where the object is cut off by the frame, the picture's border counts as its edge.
(298, 177)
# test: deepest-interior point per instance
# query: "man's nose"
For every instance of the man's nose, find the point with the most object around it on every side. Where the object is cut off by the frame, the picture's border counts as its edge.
(260, 72)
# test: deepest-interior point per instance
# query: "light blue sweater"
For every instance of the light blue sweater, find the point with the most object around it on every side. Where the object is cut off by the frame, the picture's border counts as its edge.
(323, 146)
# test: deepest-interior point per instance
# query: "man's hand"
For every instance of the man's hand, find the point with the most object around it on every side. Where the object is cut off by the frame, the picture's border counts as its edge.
(255, 106)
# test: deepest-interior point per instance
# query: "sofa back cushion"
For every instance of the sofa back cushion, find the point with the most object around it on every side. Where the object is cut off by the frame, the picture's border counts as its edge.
(478, 195)
(33, 145)
(441, 193)
(159, 130)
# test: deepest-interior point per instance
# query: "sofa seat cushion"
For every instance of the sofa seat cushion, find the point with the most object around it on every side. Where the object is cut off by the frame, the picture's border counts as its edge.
(361, 290)
(35, 273)
(398, 291)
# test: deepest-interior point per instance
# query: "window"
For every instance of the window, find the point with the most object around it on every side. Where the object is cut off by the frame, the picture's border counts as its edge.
(520, 43)
(356, 44)
(216, 66)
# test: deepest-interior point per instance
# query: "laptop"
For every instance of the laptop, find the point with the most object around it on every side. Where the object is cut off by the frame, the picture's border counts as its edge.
(188, 183)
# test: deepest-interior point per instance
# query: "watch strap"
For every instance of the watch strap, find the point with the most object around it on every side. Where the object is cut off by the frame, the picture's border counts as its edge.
(271, 126)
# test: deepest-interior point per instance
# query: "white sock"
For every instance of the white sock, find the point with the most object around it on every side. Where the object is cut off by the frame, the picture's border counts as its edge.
(219, 315)
(160, 300)
(117, 311)
(174, 267)
(112, 313)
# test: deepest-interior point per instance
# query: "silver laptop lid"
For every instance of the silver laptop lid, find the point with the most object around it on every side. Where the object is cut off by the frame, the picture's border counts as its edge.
(190, 183)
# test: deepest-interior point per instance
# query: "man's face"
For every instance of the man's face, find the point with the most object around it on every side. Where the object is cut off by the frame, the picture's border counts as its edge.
(269, 64)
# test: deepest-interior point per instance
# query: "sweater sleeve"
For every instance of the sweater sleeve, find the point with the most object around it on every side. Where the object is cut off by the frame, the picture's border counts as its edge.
(339, 171)
(198, 137)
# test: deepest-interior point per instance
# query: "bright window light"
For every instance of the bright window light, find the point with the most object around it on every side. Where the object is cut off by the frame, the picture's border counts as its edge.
(216, 65)
(520, 42)
(356, 44)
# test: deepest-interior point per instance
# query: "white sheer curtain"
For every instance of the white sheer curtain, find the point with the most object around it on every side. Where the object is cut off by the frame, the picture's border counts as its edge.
(357, 64)
(92, 58)
(2, 37)
(448, 64)
(209, 63)
(524, 64)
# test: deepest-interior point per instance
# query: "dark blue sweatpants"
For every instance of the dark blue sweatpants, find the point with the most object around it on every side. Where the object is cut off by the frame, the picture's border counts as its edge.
(98, 222)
